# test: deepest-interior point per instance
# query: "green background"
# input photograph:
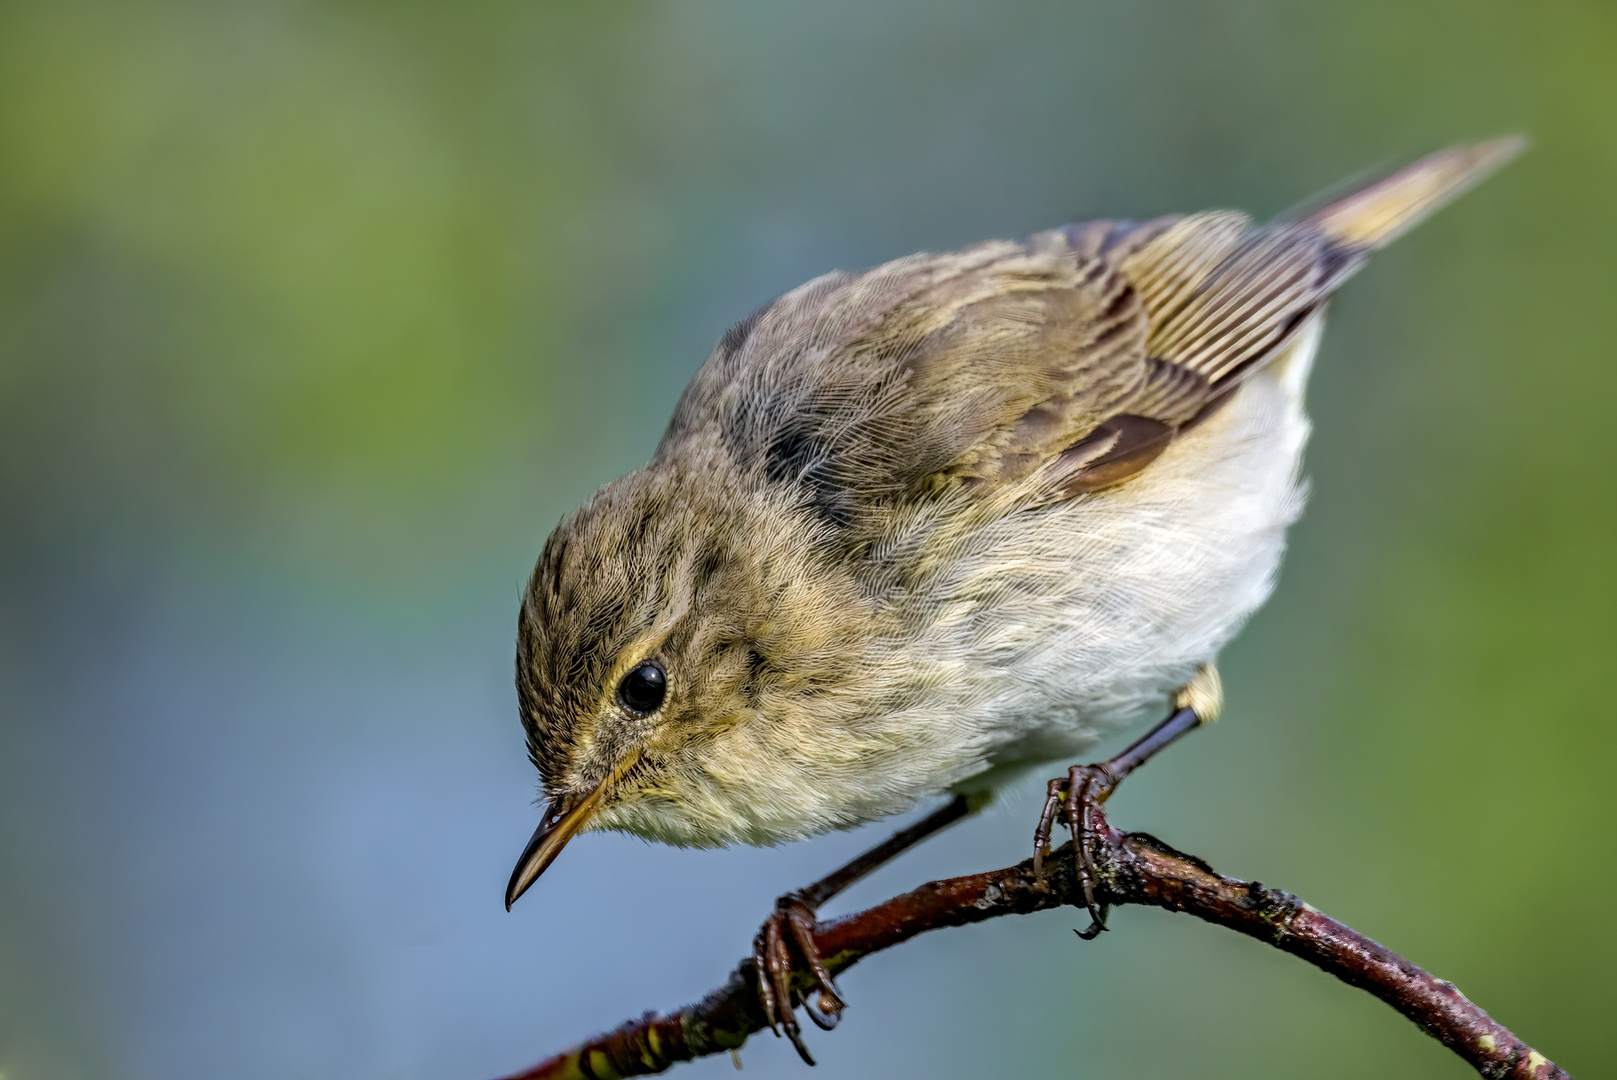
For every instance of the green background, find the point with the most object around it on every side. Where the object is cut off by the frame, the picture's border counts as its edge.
(314, 318)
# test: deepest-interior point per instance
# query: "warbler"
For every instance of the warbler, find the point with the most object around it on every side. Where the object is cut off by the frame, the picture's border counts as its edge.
(921, 528)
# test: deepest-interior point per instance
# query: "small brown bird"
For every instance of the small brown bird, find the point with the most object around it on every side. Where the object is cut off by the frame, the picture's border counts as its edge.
(920, 529)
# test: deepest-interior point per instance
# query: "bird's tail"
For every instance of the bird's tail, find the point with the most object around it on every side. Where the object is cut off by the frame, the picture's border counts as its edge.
(1377, 213)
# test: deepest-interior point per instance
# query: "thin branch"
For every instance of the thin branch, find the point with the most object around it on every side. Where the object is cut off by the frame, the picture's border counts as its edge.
(1133, 868)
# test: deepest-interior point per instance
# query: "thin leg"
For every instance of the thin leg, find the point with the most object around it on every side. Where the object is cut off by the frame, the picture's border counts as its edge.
(1182, 721)
(792, 926)
(886, 851)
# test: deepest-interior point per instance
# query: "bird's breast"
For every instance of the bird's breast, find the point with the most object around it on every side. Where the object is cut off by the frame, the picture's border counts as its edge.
(1065, 623)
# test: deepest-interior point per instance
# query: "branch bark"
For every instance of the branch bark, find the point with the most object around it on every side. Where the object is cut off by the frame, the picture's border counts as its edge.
(1132, 868)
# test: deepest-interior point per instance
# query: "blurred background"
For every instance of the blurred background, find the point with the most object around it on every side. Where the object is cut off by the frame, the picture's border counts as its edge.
(315, 318)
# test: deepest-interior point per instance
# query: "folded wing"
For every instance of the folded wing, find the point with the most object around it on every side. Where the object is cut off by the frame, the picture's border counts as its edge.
(1075, 357)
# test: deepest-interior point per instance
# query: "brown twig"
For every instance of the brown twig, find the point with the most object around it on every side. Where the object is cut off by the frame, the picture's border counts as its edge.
(1132, 868)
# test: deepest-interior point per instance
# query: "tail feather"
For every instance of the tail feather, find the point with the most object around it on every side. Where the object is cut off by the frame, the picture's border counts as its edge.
(1379, 213)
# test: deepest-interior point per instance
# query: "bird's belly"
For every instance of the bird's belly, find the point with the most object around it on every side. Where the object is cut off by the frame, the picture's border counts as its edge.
(1090, 614)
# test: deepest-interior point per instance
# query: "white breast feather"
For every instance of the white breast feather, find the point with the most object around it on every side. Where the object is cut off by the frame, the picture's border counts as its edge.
(1114, 600)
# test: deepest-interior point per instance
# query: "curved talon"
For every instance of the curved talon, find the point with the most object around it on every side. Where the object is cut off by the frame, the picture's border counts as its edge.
(795, 1034)
(1078, 797)
(1041, 835)
(780, 977)
(1076, 800)
(760, 965)
(800, 918)
(792, 924)
(1087, 787)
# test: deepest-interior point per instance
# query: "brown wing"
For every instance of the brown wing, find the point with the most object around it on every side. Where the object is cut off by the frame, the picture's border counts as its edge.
(1222, 298)
(1088, 347)
(1162, 321)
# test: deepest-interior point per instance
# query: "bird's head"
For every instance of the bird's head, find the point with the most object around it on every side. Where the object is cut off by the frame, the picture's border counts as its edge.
(680, 648)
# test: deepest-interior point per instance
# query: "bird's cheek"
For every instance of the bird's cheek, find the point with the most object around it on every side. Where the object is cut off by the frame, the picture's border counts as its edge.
(617, 735)
(693, 740)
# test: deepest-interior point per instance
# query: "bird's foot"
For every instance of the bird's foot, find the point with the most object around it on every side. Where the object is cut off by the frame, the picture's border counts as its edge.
(1076, 802)
(788, 930)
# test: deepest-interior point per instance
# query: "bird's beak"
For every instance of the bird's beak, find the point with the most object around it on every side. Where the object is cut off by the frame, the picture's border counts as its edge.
(563, 818)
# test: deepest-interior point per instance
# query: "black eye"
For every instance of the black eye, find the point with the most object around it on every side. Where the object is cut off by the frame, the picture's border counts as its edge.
(643, 688)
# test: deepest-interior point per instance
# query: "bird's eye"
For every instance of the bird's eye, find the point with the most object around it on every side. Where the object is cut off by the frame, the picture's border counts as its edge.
(642, 690)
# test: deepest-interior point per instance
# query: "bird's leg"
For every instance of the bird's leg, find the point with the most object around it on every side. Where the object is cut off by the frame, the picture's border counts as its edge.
(791, 929)
(1078, 798)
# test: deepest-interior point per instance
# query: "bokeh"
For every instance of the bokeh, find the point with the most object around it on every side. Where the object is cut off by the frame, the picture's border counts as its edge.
(315, 318)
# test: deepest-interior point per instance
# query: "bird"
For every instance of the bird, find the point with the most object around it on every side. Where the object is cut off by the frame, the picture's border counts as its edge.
(920, 529)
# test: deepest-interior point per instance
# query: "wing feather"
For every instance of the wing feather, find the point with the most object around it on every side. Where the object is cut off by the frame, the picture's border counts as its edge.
(1072, 358)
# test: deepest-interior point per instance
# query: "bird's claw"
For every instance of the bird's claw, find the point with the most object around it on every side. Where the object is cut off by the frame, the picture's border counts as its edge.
(1076, 801)
(789, 929)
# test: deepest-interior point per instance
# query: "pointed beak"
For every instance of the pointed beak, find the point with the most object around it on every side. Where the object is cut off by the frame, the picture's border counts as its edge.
(565, 816)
